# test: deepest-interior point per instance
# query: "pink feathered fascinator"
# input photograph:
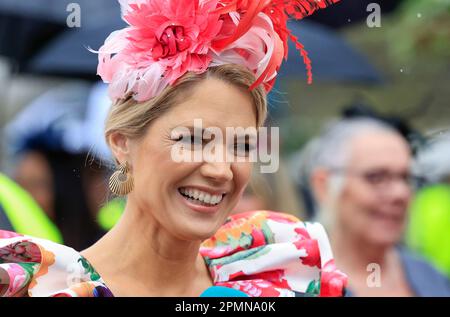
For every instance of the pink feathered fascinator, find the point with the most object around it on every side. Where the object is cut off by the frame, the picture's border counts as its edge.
(167, 38)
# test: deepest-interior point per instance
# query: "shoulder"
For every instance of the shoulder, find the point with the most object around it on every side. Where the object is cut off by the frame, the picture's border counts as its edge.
(39, 267)
(426, 280)
(275, 253)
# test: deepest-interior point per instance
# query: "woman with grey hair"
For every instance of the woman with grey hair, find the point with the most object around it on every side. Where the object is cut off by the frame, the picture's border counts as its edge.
(359, 173)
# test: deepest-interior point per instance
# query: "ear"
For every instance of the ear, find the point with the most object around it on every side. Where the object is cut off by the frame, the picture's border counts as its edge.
(319, 184)
(120, 146)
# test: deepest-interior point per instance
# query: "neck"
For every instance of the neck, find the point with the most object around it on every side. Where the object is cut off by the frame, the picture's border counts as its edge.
(149, 255)
(354, 254)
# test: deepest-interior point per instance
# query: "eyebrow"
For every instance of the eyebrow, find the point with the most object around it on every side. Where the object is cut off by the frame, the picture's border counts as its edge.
(248, 137)
(190, 128)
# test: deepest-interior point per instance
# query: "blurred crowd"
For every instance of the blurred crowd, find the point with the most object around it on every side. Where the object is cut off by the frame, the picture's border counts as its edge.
(380, 187)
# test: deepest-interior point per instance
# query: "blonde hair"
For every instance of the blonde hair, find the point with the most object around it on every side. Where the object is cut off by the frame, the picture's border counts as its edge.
(276, 190)
(131, 119)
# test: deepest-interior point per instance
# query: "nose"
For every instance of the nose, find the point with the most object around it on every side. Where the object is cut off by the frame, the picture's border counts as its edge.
(400, 192)
(219, 172)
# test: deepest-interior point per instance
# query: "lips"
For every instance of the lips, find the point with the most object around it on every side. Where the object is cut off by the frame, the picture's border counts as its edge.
(388, 217)
(200, 197)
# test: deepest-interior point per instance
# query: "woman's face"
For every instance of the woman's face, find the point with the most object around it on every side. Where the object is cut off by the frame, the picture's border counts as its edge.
(33, 173)
(191, 200)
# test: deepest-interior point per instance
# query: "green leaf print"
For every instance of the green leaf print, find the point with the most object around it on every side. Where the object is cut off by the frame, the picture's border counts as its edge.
(313, 288)
(88, 269)
(245, 241)
(242, 255)
(30, 268)
(268, 234)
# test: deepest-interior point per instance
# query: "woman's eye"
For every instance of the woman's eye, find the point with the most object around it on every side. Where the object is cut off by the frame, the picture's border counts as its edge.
(376, 178)
(189, 139)
(177, 138)
(243, 149)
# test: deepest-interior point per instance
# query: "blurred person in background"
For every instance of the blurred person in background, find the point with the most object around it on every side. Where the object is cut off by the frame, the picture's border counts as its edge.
(59, 158)
(302, 160)
(429, 224)
(34, 174)
(360, 176)
(270, 191)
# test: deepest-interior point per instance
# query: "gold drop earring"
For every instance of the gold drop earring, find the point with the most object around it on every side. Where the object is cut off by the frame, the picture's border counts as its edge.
(121, 181)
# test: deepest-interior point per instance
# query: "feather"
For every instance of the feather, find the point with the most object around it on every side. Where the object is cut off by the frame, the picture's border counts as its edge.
(279, 12)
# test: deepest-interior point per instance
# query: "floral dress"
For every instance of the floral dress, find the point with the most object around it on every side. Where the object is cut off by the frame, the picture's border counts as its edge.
(260, 253)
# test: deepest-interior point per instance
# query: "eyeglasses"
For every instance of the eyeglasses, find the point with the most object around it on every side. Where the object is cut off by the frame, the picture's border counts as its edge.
(383, 179)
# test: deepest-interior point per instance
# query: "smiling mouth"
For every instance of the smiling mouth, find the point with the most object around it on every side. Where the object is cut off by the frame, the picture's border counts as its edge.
(394, 218)
(199, 197)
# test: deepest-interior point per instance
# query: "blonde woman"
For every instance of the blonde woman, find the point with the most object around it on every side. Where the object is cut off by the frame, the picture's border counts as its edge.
(177, 64)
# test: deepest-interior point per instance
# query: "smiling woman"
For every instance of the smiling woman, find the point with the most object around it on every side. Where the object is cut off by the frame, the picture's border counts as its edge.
(179, 194)
(205, 60)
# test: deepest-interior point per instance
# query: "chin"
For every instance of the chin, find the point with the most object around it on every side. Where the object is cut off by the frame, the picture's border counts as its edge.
(196, 235)
(385, 239)
(193, 230)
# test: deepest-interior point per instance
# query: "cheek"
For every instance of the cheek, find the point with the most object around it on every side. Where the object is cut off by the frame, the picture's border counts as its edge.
(157, 172)
(151, 166)
(362, 196)
(407, 197)
(356, 201)
(241, 176)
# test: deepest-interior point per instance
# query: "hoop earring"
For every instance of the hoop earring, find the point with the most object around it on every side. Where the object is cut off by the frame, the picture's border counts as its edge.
(121, 182)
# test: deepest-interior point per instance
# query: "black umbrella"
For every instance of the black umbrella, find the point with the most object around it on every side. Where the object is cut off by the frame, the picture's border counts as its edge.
(333, 59)
(22, 37)
(28, 26)
(347, 12)
(91, 12)
(68, 54)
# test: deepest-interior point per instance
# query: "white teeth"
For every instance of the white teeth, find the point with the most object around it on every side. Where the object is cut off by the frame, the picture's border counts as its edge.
(196, 194)
(204, 197)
